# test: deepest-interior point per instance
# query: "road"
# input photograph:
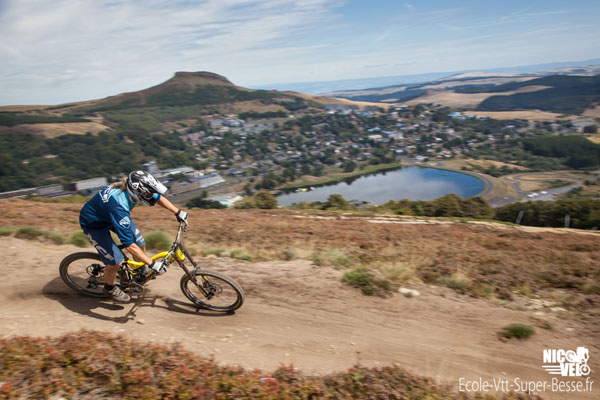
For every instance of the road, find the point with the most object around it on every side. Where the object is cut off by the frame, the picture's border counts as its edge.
(517, 179)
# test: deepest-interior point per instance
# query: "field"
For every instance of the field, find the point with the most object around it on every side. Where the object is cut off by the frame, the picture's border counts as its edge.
(452, 99)
(471, 280)
(592, 112)
(533, 115)
(543, 180)
(54, 130)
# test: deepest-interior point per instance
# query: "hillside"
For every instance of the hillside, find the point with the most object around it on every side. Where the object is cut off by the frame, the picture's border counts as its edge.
(565, 94)
(183, 89)
(179, 102)
(567, 90)
(471, 281)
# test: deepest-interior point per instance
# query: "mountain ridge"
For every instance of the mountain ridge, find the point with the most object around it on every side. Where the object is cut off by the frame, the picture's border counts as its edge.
(181, 81)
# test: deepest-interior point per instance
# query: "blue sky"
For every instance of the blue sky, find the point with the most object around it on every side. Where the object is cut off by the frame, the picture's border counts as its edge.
(54, 51)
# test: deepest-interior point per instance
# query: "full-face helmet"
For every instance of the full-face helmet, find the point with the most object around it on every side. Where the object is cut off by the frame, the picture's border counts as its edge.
(142, 186)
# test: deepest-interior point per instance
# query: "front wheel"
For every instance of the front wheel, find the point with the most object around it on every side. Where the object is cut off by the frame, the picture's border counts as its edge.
(222, 292)
(84, 273)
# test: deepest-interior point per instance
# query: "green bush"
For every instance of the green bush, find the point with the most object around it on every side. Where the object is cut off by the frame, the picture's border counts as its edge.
(241, 254)
(337, 202)
(450, 205)
(331, 257)
(585, 213)
(157, 240)
(265, 200)
(217, 251)
(367, 282)
(28, 232)
(262, 199)
(457, 282)
(79, 239)
(519, 331)
(54, 237)
(31, 233)
(7, 230)
(288, 255)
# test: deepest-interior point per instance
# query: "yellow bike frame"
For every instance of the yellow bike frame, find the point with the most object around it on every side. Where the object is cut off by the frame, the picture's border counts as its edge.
(174, 254)
(169, 256)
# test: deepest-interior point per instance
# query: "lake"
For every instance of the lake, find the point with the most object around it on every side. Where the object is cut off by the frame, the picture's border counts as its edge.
(412, 183)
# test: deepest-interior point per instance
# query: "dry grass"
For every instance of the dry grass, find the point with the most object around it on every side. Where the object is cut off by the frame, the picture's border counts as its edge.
(532, 115)
(594, 138)
(491, 163)
(22, 108)
(592, 112)
(58, 129)
(453, 99)
(542, 180)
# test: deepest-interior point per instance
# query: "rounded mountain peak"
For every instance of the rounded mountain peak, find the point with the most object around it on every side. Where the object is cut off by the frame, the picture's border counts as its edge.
(200, 78)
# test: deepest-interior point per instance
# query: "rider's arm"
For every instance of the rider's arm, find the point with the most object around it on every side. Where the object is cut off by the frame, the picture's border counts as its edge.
(165, 203)
(182, 216)
(138, 254)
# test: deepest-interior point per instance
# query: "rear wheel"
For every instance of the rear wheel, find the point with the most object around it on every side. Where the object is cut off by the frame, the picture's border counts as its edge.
(223, 293)
(84, 273)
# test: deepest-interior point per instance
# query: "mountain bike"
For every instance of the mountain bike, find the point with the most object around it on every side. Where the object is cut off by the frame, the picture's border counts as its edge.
(84, 272)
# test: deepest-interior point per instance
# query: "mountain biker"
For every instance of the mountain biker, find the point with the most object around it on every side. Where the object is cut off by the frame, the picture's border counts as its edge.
(109, 210)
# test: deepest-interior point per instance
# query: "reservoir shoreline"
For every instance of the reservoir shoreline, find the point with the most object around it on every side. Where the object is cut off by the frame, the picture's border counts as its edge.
(487, 184)
(413, 182)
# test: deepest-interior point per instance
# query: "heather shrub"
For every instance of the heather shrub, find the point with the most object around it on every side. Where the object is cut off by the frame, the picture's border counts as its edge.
(100, 365)
(519, 331)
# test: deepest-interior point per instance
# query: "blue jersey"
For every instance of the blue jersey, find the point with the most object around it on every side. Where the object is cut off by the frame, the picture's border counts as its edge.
(110, 208)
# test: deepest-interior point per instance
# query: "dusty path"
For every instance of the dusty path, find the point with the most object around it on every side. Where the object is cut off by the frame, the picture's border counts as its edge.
(296, 313)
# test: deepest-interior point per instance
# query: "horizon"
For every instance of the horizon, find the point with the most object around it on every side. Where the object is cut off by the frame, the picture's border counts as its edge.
(381, 82)
(67, 51)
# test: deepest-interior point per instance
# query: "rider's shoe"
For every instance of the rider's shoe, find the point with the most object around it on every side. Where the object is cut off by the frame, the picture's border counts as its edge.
(117, 294)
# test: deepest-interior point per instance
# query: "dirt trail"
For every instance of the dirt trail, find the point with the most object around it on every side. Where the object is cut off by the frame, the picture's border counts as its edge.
(295, 313)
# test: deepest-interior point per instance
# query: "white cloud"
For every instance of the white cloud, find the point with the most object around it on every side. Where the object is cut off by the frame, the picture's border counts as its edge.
(111, 46)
